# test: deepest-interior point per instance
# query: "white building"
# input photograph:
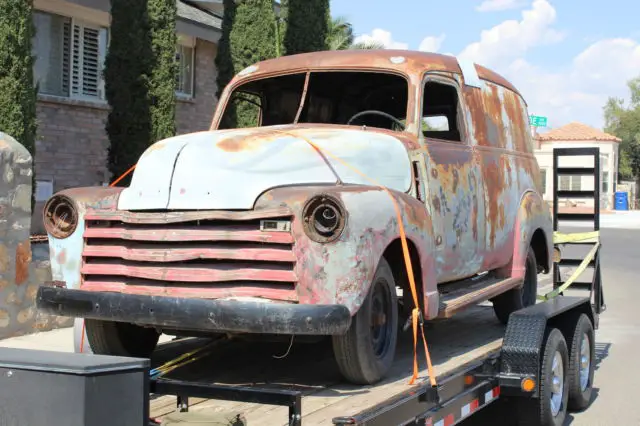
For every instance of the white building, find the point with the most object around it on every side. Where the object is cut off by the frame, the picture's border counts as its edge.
(579, 135)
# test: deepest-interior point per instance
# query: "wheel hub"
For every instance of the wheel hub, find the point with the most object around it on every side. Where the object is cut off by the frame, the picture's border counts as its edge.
(380, 327)
(585, 361)
(557, 383)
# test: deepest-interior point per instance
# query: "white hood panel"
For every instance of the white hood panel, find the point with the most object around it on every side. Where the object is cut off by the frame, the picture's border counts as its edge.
(230, 169)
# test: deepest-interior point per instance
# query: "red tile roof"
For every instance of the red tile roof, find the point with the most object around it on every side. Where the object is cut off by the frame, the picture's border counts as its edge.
(576, 132)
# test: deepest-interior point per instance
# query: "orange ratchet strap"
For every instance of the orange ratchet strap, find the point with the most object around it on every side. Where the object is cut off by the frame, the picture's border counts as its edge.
(417, 320)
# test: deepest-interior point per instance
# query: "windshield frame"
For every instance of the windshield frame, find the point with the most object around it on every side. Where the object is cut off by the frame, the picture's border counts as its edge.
(225, 97)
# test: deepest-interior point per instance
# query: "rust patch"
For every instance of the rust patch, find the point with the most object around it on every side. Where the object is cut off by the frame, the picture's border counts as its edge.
(23, 259)
(436, 203)
(492, 105)
(61, 258)
(248, 142)
(473, 99)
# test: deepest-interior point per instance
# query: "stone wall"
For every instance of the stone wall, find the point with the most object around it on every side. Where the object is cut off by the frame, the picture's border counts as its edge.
(20, 276)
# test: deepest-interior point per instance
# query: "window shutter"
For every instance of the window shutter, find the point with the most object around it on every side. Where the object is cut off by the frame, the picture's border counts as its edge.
(66, 58)
(86, 62)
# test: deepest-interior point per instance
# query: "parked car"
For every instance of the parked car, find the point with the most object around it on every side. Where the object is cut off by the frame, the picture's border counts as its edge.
(284, 218)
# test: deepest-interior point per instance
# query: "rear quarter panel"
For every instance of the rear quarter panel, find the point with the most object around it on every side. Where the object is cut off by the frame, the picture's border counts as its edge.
(514, 207)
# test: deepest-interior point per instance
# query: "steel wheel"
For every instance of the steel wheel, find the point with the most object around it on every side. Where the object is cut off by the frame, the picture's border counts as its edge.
(380, 327)
(585, 362)
(557, 383)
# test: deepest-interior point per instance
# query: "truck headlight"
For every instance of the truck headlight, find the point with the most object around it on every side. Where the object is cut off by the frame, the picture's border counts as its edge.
(60, 216)
(324, 218)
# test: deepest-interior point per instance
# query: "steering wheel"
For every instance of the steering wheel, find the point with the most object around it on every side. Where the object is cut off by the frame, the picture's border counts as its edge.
(376, 112)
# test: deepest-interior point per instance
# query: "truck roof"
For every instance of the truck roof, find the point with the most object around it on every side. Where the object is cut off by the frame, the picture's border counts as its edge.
(414, 62)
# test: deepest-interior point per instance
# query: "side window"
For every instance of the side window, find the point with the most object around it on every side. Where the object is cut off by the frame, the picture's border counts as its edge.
(441, 117)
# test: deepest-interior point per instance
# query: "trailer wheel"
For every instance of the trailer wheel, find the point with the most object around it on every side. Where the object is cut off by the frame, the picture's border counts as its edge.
(121, 339)
(550, 409)
(581, 364)
(518, 298)
(365, 353)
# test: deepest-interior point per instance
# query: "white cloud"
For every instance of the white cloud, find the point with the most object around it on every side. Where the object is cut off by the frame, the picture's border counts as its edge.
(497, 5)
(431, 43)
(511, 39)
(379, 35)
(578, 91)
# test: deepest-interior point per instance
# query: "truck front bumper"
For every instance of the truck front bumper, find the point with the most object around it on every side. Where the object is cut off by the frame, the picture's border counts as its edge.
(220, 315)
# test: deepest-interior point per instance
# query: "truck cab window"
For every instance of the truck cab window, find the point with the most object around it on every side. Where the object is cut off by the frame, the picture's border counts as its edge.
(373, 99)
(440, 112)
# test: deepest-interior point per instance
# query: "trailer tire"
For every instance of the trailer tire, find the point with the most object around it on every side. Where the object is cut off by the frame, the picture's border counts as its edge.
(583, 351)
(362, 359)
(121, 339)
(522, 297)
(539, 411)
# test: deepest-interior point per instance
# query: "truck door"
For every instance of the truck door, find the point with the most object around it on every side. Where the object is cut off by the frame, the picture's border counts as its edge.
(454, 181)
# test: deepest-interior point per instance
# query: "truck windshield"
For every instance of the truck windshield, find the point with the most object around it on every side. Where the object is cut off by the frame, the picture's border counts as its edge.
(332, 97)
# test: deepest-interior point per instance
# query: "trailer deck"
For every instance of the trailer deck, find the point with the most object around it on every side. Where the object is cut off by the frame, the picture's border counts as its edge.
(469, 337)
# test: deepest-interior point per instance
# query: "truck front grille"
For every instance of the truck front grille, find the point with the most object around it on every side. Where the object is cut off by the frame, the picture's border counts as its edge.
(208, 254)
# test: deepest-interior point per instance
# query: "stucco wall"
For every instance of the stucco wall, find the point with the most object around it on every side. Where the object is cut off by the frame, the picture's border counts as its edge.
(20, 275)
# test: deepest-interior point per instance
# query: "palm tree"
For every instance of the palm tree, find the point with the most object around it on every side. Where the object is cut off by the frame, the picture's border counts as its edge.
(341, 37)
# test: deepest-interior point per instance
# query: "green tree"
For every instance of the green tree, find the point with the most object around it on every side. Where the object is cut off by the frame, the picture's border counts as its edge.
(623, 121)
(248, 36)
(341, 36)
(305, 25)
(127, 72)
(18, 94)
(164, 68)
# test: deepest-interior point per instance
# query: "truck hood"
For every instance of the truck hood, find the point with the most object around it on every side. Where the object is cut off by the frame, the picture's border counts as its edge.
(230, 169)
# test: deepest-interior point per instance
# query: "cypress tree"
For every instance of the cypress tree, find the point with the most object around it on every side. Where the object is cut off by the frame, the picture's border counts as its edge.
(248, 36)
(163, 83)
(306, 26)
(128, 65)
(18, 94)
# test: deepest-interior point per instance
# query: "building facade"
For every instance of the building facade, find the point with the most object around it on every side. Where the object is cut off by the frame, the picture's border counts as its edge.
(579, 135)
(71, 42)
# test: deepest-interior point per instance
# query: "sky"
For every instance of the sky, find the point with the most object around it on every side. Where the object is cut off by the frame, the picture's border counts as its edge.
(566, 57)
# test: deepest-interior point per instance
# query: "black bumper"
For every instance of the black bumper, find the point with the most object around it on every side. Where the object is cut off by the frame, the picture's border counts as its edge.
(196, 314)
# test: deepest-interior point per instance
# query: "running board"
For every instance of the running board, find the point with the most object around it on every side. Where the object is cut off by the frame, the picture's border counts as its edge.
(474, 293)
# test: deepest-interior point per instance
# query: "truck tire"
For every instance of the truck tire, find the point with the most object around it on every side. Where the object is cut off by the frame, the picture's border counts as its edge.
(518, 298)
(550, 409)
(121, 339)
(365, 353)
(581, 364)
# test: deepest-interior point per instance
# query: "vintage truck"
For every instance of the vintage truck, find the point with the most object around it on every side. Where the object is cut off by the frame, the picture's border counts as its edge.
(283, 218)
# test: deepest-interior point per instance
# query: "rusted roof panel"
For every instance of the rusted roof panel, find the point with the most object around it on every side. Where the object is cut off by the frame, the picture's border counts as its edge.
(389, 59)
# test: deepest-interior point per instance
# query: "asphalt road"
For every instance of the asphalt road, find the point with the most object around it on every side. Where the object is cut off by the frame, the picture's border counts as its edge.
(617, 373)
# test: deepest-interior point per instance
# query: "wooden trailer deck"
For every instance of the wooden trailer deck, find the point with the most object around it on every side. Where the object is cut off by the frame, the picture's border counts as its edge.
(469, 336)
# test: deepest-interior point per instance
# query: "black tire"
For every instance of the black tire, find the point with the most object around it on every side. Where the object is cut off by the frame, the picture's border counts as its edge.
(538, 411)
(121, 339)
(579, 391)
(363, 359)
(518, 298)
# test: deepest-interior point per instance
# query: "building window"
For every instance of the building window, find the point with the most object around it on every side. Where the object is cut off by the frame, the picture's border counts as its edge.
(185, 55)
(570, 183)
(69, 57)
(543, 180)
(605, 182)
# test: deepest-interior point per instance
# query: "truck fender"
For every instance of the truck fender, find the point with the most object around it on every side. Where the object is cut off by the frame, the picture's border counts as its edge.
(533, 216)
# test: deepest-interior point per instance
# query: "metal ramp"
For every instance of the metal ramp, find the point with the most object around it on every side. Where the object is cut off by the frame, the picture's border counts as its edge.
(588, 219)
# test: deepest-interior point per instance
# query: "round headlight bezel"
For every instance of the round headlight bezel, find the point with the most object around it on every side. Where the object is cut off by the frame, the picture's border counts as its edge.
(324, 218)
(60, 216)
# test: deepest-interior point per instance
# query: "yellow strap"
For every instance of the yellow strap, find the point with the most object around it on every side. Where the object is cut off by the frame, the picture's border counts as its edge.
(579, 270)
(582, 237)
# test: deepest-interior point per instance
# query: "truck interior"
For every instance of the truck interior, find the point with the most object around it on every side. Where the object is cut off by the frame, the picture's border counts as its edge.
(331, 97)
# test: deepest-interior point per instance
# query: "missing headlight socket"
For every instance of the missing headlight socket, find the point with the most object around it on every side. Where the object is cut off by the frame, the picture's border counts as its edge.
(324, 218)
